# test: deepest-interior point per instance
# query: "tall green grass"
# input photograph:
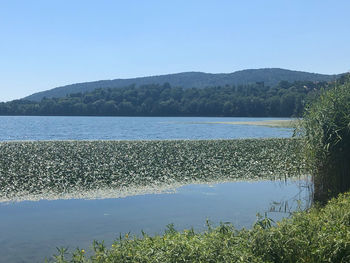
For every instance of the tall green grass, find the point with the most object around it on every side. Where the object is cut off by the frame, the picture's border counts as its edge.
(326, 132)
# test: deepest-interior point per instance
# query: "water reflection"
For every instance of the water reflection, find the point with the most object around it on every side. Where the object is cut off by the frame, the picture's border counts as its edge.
(299, 202)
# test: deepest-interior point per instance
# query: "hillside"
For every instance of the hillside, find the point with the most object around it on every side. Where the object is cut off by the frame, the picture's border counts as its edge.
(270, 76)
(255, 100)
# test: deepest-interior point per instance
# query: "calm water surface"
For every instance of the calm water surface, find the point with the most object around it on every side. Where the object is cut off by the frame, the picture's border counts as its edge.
(30, 231)
(131, 128)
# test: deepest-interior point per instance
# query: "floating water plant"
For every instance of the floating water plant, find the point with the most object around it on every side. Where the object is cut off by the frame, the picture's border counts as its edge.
(55, 169)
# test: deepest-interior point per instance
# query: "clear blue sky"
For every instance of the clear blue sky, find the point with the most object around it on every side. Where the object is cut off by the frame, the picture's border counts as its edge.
(49, 43)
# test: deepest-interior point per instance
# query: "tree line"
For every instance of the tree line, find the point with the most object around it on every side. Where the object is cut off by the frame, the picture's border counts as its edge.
(256, 100)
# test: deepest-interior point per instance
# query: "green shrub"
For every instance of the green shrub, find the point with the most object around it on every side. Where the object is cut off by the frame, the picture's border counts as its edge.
(319, 235)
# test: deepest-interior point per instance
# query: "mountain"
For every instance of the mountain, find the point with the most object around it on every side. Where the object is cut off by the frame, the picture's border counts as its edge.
(270, 76)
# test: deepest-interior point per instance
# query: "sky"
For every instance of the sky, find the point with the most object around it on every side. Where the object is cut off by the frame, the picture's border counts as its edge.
(46, 44)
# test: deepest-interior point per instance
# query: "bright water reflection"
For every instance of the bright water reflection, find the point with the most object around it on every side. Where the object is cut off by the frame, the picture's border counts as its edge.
(131, 128)
(29, 231)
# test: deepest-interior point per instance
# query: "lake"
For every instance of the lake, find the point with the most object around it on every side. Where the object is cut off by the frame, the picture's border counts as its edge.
(30, 231)
(131, 128)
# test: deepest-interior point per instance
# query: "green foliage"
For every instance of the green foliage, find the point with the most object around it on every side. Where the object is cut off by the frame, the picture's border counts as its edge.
(326, 132)
(63, 169)
(319, 235)
(254, 100)
(315, 236)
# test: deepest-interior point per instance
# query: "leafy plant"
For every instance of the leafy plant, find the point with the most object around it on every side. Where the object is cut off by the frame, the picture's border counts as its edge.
(321, 234)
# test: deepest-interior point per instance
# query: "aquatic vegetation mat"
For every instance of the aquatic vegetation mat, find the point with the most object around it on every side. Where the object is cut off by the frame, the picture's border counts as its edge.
(90, 169)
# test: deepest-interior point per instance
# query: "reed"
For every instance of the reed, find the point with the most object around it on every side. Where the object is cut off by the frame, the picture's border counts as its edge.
(326, 132)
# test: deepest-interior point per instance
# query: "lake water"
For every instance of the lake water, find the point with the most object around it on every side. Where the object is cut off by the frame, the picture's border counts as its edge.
(131, 128)
(30, 231)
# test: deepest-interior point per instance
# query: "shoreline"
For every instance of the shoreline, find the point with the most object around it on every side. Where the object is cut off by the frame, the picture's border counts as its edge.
(267, 123)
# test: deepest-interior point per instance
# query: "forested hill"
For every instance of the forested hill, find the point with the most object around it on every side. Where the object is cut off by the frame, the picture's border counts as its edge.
(270, 77)
(257, 100)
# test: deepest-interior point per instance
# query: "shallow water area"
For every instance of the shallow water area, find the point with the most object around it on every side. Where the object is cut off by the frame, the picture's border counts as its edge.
(30, 230)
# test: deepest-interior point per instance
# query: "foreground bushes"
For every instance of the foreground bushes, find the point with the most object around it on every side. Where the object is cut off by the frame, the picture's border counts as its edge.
(318, 235)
